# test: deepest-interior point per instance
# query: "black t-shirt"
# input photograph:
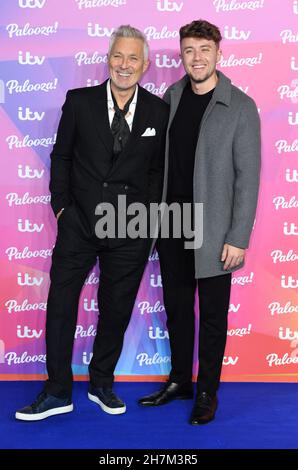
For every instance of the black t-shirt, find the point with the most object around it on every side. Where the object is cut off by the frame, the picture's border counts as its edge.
(183, 141)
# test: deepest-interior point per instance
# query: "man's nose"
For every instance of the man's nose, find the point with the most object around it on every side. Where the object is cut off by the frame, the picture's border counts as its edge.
(124, 63)
(197, 55)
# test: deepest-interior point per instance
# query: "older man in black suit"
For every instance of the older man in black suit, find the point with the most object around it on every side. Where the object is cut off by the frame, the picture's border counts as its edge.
(110, 143)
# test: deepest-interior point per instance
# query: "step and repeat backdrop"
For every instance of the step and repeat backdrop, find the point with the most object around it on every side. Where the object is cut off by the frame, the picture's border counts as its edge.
(50, 46)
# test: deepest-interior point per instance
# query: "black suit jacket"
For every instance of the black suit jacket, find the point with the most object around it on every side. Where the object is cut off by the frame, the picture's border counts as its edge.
(82, 170)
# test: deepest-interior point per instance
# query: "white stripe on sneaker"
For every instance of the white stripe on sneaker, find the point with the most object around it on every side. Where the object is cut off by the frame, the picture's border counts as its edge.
(110, 411)
(44, 414)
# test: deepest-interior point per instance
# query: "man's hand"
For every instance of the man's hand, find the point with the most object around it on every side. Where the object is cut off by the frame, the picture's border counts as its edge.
(59, 213)
(232, 256)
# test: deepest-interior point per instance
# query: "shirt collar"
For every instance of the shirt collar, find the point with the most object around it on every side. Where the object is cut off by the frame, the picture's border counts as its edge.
(110, 99)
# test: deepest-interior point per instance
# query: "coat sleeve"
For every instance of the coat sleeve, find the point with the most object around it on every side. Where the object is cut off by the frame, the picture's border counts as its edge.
(61, 157)
(246, 160)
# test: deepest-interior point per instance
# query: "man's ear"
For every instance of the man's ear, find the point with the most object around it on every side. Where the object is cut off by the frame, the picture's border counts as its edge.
(146, 65)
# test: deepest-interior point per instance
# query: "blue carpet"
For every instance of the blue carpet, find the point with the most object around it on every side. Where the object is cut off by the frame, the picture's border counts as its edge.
(250, 416)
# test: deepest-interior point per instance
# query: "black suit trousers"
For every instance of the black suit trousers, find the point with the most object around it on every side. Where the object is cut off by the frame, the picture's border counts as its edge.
(179, 288)
(121, 270)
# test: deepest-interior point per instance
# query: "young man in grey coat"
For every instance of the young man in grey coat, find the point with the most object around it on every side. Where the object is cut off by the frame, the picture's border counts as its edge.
(213, 158)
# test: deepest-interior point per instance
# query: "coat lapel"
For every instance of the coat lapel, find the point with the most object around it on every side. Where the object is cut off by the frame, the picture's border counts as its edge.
(222, 94)
(99, 109)
(174, 100)
(176, 93)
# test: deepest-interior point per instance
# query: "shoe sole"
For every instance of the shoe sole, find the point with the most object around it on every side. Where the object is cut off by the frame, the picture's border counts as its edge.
(182, 397)
(106, 409)
(45, 414)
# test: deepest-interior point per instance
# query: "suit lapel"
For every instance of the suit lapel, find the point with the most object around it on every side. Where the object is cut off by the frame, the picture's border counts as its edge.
(99, 109)
(176, 94)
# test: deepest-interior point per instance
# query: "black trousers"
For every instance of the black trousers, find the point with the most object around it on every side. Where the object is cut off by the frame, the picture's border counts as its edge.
(179, 287)
(121, 270)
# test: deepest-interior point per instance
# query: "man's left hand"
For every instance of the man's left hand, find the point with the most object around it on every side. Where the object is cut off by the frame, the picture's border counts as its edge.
(232, 256)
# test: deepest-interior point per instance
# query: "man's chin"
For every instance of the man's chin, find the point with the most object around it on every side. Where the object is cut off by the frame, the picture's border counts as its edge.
(124, 86)
(199, 80)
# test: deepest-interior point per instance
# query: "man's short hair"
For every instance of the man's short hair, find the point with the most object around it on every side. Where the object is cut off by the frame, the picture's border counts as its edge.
(127, 31)
(201, 29)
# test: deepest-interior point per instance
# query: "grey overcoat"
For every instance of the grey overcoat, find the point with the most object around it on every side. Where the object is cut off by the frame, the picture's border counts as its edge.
(226, 171)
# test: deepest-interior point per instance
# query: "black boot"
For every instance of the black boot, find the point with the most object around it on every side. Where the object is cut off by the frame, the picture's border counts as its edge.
(204, 409)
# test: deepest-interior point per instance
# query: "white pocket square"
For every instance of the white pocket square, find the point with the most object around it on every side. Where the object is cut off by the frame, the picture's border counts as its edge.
(149, 132)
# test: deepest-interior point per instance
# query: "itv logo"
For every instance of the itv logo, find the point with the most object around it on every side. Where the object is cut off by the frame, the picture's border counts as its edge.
(32, 3)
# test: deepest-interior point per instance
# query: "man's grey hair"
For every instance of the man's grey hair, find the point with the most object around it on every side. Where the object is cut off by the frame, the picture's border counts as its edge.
(127, 31)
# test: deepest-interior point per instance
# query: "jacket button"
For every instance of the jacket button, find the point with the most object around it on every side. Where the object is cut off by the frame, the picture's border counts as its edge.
(126, 187)
(105, 184)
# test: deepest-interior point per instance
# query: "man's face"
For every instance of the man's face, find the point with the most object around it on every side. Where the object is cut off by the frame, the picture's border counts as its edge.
(199, 57)
(126, 63)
